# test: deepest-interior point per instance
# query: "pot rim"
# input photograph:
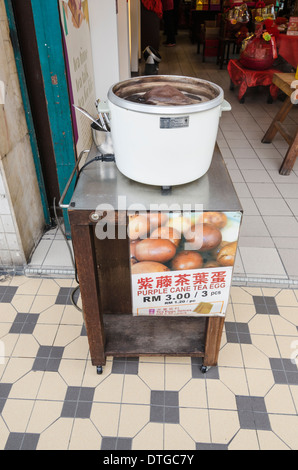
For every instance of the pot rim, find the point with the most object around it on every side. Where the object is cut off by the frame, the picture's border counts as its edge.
(162, 110)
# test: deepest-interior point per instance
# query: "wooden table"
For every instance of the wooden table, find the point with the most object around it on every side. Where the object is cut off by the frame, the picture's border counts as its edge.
(103, 265)
(283, 81)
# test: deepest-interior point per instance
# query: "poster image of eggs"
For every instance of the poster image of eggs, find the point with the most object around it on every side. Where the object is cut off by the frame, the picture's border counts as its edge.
(182, 263)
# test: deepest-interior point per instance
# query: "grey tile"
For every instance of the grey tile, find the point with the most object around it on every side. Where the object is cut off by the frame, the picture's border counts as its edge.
(78, 402)
(264, 261)
(208, 446)
(108, 443)
(267, 153)
(171, 398)
(156, 414)
(5, 389)
(164, 406)
(237, 332)
(277, 178)
(246, 419)
(125, 365)
(256, 176)
(290, 260)
(231, 164)
(268, 190)
(243, 153)
(24, 323)
(281, 226)
(293, 205)
(265, 305)
(157, 397)
(48, 358)
(249, 207)
(257, 144)
(22, 441)
(262, 422)
(83, 410)
(14, 441)
(286, 242)
(288, 190)
(252, 413)
(236, 176)
(7, 294)
(116, 443)
(250, 164)
(30, 441)
(69, 409)
(272, 163)
(258, 242)
(242, 190)
(171, 415)
(253, 226)
(40, 252)
(272, 206)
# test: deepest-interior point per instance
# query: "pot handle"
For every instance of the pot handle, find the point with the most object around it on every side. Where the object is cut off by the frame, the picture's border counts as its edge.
(102, 106)
(225, 106)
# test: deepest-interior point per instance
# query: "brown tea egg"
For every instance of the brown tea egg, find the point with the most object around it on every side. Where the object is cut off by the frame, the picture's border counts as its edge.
(155, 250)
(187, 260)
(167, 233)
(219, 219)
(148, 267)
(204, 237)
(226, 256)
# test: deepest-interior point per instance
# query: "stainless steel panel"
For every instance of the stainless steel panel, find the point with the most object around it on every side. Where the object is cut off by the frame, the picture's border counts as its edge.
(101, 183)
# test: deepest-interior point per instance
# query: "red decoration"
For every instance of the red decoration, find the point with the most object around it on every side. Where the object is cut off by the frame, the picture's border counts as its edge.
(260, 4)
(260, 50)
(154, 5)
(246, 78)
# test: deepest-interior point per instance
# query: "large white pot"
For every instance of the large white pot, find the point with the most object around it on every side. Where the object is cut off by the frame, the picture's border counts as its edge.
(164, 145)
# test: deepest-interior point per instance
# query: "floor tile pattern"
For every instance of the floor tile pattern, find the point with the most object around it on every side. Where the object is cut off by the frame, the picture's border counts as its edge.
(52, 398)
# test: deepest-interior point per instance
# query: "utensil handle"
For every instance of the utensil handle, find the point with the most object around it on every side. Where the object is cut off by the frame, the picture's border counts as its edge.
(66, 206)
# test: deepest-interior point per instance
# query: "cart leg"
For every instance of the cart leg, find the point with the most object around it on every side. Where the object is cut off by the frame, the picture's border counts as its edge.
(214, 327)
(204, 369)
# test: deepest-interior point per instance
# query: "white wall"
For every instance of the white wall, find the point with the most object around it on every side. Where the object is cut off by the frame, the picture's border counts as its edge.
(123, 40)
(110, 43)
(135, 6)
(104, 41)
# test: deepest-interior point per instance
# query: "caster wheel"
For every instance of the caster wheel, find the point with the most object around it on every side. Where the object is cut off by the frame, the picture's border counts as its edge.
(99, 370)
(242, 100)
(204, 369)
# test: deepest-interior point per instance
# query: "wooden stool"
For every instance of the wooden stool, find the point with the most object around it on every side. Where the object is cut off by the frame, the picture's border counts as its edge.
(283, 81)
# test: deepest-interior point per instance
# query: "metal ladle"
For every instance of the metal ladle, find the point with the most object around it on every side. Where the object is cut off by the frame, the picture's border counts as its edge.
(83, 111)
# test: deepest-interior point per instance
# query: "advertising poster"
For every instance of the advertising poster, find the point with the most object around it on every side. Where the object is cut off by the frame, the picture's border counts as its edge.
(74, 16)
(182, 265)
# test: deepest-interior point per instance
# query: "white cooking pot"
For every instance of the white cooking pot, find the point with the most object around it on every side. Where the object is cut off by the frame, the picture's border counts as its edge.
(164, 145)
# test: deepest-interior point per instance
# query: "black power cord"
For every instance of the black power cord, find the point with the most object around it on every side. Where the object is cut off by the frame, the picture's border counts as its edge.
(108, 157)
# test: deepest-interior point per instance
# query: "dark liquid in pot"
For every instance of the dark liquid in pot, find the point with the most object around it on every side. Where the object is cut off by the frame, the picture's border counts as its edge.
(139, 98)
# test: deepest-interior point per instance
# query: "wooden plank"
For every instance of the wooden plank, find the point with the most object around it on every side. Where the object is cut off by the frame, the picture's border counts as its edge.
(113, 268)
(214, 327)
(128, 335)
(283, 82)
(279, 117)
(50, 47)
(290, 158)
(14, 34)
(82, 238)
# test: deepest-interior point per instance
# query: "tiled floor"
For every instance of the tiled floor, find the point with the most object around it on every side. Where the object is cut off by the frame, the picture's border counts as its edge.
(52, 398)
(50, 394)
